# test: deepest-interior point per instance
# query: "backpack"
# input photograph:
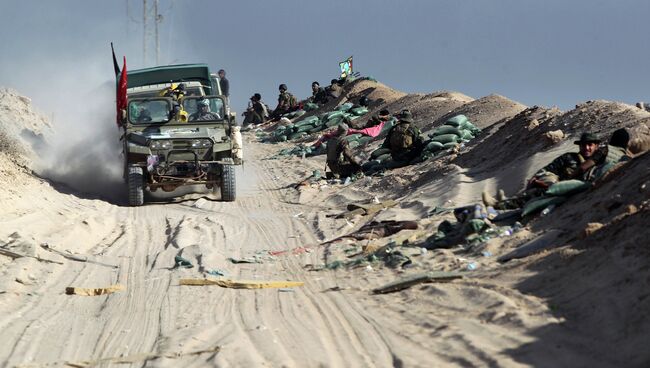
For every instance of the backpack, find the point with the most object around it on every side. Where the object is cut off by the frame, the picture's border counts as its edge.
(293, 102)
(402, 136)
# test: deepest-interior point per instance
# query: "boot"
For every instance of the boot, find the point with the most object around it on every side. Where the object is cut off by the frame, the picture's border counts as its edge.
(488, 200)
(501, 195)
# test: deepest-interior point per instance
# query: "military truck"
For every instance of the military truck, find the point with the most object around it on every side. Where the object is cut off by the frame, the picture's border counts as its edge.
(171, 142)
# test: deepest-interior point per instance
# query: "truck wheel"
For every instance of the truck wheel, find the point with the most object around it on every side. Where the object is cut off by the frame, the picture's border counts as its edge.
(228, 182)
(135, 181)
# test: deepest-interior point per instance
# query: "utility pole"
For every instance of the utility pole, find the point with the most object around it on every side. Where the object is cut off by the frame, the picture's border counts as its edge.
(157, 18)
(144, 32)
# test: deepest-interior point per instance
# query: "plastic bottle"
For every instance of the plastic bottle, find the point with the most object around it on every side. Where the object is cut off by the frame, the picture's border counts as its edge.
(472, 266)
(548, 210)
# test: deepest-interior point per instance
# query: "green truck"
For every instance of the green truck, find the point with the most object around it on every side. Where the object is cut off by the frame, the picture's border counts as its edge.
(173, 140)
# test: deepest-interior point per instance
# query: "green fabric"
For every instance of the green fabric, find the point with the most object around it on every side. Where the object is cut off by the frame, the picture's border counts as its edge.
(456, 121)
(379, 151)
(446, 129)
(450, 145)
(467, 135)
(309, 106)
(445, 138)
(568, 187)
(537, 205)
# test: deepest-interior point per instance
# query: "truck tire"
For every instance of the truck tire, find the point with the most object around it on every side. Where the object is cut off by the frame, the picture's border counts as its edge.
(228, 181)
(135, 182)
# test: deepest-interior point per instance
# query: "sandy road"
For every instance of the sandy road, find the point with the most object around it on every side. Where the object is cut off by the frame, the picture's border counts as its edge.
(307, 326)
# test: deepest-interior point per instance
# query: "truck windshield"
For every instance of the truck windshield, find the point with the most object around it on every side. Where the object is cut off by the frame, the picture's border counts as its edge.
(149, 111)
(205, 108)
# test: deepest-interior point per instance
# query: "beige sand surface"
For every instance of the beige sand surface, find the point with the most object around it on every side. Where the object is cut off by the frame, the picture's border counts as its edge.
(582, 304)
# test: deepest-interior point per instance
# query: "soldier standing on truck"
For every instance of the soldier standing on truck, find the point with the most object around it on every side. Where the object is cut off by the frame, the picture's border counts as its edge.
(224, 84)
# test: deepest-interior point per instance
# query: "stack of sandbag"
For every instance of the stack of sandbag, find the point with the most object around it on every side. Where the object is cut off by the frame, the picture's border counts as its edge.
(294, 114)
(456, 130)
(310, 106)
(315, 124)
(555, 195)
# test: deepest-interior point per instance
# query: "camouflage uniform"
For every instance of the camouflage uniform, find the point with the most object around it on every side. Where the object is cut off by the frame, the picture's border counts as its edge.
(340, 158)
(319, 96)
(404, 155)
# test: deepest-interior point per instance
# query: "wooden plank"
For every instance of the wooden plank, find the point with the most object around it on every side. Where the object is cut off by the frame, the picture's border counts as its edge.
(241, 284)
(407, 282)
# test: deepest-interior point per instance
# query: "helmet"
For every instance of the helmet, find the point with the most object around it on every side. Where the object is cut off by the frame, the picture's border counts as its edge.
(203, 102)
(283, 87)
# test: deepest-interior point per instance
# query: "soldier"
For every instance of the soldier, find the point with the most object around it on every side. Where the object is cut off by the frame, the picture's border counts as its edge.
(203, 113)
(318, 94)
(224, 84)
(334, 89)
(256, 112)
(404, 140)
(286, 102)
(340, 158)
(571, 165)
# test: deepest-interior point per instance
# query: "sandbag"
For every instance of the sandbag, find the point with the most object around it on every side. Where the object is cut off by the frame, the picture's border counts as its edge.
(434, 146)
(367, 165)
(315, 129)
(467, 135)
(379, 151)
(353, 137)
(296, 135)
(353, 144)
(536, 205)
(450, 145)
(365, 140)
(304, 128)
(309, 120)
(445, 138)
(456, 121)
(309, 106)
(334, 114)
(383, 158)
(446, 129)
(358, 111)
(568, 187)
(298, 113)
(467, 125)
(345, 107)
(282, 138)
(333, 122)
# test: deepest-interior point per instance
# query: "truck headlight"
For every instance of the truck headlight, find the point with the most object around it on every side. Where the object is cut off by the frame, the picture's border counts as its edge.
(157, 145)
(201, 143)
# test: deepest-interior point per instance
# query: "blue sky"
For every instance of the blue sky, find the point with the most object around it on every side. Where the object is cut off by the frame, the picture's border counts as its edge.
(536, 52)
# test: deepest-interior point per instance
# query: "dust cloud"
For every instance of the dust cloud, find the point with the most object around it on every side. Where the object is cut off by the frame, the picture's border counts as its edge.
(83, 152)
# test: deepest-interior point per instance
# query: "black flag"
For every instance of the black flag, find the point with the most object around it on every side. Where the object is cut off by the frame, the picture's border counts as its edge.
(115, 65)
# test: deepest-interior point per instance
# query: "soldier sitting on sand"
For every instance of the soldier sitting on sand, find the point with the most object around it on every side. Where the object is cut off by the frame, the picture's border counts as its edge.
(404, 140)
(340, 158)
(571, 165)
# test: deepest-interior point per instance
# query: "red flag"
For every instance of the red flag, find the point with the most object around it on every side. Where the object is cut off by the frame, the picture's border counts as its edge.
(121, 95)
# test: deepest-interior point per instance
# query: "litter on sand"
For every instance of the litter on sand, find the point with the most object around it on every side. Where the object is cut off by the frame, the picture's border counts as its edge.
(242, 284)
(93, 291)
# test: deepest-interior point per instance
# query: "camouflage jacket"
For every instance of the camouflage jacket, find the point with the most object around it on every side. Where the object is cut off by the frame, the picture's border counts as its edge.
(564, 167)
(339, 153)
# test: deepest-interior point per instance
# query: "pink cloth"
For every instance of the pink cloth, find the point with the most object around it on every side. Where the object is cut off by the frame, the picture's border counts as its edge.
(372, 131)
